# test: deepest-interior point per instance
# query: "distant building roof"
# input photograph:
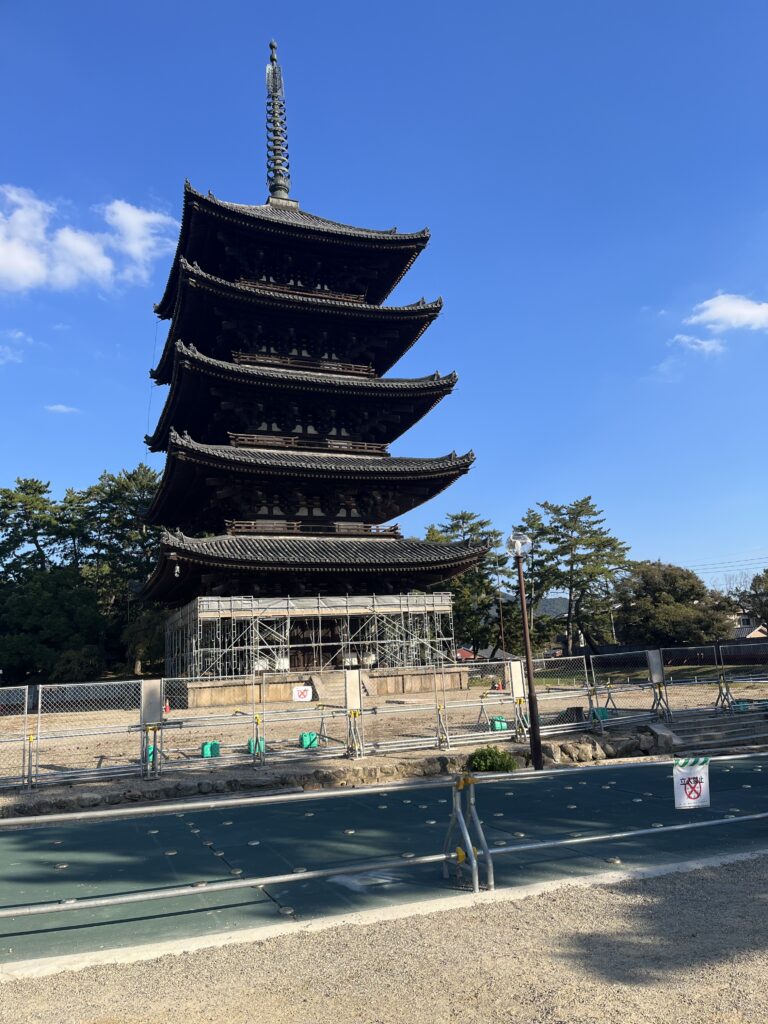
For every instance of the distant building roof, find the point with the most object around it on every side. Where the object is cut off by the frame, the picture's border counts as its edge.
(749, 633)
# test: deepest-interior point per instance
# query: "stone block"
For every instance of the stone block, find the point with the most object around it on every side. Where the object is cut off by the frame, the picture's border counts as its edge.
(552, 751)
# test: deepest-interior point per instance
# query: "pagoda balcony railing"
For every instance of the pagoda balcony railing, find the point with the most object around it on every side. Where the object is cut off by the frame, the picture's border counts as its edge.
(315, 290)
(303, 526)
(299, 363)
(330, 444)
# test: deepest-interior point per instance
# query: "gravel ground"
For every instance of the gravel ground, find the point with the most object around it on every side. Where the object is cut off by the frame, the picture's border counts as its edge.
(682, 948)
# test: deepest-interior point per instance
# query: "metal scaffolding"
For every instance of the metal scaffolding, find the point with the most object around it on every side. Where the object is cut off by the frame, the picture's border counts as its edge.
(233, 637)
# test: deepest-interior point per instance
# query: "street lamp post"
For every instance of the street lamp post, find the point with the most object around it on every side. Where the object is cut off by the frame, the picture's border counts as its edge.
(520, 545)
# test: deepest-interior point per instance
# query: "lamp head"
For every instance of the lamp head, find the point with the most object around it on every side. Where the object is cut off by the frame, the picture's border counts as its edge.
(519, 543)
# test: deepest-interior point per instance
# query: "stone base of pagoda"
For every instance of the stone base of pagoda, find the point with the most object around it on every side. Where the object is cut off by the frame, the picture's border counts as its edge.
(327, 686)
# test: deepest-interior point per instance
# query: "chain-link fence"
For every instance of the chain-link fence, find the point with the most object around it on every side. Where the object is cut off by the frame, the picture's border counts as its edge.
(622, 667)
(568, 672)
(87, 729)
(744, 662)
(690, 664)
(564, 710)
(15, 742)
(66, 732)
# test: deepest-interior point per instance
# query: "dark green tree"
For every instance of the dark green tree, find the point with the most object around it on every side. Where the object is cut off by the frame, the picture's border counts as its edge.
(51, 628)
(477, 592)
(575, 555)
(70, 570)
(662, 605)
(29, 529)
(121, 549)
(753, 599)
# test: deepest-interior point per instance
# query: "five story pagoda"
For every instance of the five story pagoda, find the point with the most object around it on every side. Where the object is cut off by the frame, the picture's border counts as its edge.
(278, 479)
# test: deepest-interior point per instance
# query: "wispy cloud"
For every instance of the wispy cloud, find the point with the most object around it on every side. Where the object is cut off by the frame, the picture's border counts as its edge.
(667, 371)
(703, 346)
(729, 312)
(12, 343)
(8, 354)
(35, 253)
(61, 408)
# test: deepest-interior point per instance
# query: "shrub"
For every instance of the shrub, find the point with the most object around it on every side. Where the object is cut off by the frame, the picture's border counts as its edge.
(491, 759)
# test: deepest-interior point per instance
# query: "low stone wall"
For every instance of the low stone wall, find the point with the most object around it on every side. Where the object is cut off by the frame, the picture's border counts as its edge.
(377, 682)
(387, 682)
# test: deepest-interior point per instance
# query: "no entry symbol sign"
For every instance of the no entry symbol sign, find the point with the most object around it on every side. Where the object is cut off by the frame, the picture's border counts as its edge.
(690, 776)
(302, 693)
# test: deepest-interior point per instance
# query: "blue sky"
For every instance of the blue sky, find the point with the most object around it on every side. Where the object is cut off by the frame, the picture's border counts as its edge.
(595, 179)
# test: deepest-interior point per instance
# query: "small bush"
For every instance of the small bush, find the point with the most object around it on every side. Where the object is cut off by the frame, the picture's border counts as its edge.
(491, 759)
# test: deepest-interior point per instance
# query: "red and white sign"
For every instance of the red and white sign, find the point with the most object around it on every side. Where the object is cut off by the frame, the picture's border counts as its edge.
(302, 693)
(691, 778)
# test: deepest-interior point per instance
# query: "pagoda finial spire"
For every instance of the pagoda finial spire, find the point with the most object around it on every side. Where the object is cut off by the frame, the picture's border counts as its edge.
(278, 173)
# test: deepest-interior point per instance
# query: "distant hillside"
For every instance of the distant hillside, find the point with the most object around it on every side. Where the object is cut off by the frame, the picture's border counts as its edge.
(552, 606)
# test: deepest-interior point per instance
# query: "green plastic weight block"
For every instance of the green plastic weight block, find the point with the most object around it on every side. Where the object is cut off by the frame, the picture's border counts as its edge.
(256, 746)
(308, 740)
(499, 723)
(212, 748)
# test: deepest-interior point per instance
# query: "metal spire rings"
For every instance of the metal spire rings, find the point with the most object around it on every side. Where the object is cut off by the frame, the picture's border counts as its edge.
(278, 172)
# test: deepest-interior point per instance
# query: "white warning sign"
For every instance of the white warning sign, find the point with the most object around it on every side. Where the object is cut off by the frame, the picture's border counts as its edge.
(691, 780)
(302, 693)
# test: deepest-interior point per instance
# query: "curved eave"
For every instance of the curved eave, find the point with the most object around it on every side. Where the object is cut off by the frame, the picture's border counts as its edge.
(441, 471)
(313, 230)
(421, 314)
(189, 360)
(309, 556)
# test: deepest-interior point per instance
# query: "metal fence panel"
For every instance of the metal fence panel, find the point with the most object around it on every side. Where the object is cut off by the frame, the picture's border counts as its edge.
(88, 730)
(405, 710)
(618, 668)
(564, 710)
(744, 662)
(568, 672)
(696, 664)
(694, 695)
(15, 744)
(206, 725)
(626, 704)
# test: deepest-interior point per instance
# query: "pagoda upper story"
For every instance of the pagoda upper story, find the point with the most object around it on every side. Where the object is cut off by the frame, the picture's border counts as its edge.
(278, 418)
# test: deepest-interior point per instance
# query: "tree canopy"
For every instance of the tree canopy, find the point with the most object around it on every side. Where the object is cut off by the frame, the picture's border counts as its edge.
(476, 592)
(575, 555)
(753, 598)
(70, 570)
(660, 604)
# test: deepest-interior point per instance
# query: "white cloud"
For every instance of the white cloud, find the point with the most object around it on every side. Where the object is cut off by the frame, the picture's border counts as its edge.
(725, 312)
(667, 371)
(61, 408)
(12, 341)
(704, 346)
(142, 235)
(34, 253)
(9, 355)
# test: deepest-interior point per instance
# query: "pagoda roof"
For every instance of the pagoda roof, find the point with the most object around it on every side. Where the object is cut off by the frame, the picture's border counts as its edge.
(183, 559)
(279, 461)
(286, 219)
(189, 360)
(306, 465)
(281, 301)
